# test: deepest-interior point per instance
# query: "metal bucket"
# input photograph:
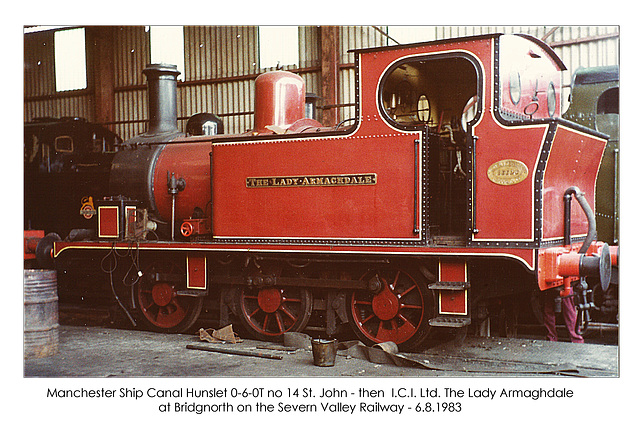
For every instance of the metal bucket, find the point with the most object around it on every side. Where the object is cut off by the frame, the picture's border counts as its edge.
(40, 313)
(324, 351)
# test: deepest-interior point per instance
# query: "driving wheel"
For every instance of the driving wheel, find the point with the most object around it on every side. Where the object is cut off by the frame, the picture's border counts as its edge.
(267, 313)
(162, 309)
(396, 308)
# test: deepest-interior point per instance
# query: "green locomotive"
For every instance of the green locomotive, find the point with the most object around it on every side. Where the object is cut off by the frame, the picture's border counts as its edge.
(594, 102)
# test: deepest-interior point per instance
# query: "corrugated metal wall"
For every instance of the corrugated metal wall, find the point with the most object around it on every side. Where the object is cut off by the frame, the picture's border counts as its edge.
(222, 62)
(353, 37)
(40, 97)
(131, 55)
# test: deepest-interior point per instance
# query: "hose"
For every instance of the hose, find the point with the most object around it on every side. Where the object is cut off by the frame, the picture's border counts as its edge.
(591, 218)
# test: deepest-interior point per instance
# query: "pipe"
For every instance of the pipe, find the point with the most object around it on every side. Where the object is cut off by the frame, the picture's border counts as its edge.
(616, 195)
(591, 218)
(211, 189)
(174, 185)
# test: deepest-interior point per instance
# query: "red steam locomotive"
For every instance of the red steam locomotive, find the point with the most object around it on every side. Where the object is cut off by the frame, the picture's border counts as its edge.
(447, 199)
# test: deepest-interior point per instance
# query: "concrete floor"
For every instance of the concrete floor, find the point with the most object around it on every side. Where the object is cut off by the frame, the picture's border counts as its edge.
(354, 393)
(99, 351)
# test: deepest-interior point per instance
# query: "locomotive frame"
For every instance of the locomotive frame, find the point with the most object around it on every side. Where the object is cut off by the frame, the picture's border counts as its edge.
(389, 271)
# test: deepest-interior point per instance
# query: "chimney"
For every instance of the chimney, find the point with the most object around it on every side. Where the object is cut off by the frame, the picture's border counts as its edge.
(162, 93)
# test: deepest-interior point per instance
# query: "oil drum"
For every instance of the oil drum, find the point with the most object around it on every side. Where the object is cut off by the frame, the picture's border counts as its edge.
(40, 313)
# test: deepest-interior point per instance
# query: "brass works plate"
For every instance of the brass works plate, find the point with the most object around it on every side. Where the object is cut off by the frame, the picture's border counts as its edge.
(313, 180)
(507, 172)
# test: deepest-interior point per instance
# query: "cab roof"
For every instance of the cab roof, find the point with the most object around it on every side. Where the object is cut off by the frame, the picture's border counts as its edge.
(552, 54)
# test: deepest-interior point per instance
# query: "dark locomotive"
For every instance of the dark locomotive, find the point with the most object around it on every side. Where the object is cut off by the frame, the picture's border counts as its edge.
(456, 192)
(67, 162)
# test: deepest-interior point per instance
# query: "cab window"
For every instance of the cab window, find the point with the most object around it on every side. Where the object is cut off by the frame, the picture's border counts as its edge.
(609, 101)
(607, 114)
(434, 91)
(63, 144)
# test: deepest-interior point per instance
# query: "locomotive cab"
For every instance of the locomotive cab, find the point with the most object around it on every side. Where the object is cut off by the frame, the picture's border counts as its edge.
(438, 92)
(445, 92)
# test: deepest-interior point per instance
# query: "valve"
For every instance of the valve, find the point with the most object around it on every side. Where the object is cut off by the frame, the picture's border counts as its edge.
(174, 185)
(186, 229)
(193, 227)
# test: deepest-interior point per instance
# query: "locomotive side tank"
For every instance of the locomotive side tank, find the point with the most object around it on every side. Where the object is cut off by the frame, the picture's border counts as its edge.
(444, 202)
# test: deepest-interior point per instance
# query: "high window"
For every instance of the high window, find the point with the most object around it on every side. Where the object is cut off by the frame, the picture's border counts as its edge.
(70, 59)
(278, 46)
(167, 46)
(411, 34)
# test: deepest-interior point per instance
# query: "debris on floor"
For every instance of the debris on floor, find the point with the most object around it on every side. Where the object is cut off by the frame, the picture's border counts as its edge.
(223, 335)
(232, 351)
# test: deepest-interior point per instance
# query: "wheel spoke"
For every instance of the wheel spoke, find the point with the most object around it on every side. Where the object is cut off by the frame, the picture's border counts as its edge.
(153, 310)
(362, 302)
(286, 311)
(405, 320)
(291, 300)
(410, 306)
(177, 305)
(166, 316)
(279, 322)
(252, 314)
(395, 282)
(367, 318)
(408, 290)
